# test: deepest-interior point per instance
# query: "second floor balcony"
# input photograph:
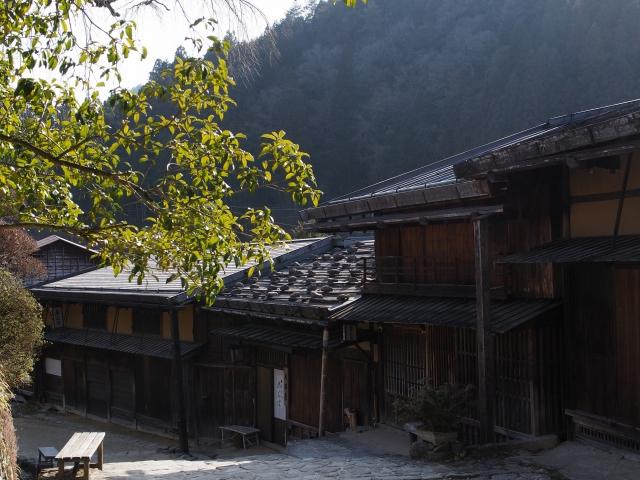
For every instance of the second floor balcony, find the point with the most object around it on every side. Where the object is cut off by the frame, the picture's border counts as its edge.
(406, 274)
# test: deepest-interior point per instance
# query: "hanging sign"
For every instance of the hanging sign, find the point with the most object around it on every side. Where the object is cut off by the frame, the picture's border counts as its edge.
(279, 394)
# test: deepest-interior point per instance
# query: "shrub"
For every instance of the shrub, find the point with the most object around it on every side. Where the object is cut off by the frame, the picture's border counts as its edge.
(21, 327)
(438, 408)
(8, 446)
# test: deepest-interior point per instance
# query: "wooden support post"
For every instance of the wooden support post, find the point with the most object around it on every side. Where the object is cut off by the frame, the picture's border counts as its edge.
(534, 381)
(375, 411)
(380, 371)
(109, 381)
(484, 341)
(177, 360)
(566, 203)
(623, 193)
(323, 381)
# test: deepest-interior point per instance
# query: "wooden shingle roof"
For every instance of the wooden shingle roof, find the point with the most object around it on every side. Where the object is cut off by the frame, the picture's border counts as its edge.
(625, 248)
(135, 344)
(447, 312)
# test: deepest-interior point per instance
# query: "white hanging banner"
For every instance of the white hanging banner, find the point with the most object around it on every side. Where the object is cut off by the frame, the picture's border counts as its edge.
(53, 366)
(279, 394)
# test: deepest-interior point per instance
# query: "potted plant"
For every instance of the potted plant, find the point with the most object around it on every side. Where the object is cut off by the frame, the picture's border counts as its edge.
(434, 413)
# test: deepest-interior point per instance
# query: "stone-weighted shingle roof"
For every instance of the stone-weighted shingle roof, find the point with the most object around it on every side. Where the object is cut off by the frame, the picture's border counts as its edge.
(322, 281)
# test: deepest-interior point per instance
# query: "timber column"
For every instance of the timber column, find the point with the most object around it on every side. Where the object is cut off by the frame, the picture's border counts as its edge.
(177, 361)
(484, 340)
(323, 381)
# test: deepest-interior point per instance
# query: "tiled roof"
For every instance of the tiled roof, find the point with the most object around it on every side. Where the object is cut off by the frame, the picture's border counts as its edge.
(325, 281)
(136, 344)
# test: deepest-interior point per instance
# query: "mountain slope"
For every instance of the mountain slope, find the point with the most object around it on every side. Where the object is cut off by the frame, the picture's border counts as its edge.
(379, 90)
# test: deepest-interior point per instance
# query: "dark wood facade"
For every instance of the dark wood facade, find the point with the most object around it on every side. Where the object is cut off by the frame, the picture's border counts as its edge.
(604, 351)
(62, 257)
(89, 373)
(131, 390)
(238, 378)
(528, 371)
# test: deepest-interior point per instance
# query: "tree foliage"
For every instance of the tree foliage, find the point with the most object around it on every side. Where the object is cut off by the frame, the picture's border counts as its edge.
(63, 166)
(21, 329)
(16, 254)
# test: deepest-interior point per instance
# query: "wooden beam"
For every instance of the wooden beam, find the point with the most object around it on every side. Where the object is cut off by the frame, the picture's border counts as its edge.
(323, 381)
(417, 218)
(177, 360)
(417, 197)
(600, 197)
(484, 341)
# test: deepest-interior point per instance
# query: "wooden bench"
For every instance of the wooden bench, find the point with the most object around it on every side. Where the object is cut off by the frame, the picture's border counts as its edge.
(250, 436)
(301, 430)
(79, 449)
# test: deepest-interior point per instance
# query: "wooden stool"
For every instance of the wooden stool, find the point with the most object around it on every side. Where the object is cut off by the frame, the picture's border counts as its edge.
(46, 457)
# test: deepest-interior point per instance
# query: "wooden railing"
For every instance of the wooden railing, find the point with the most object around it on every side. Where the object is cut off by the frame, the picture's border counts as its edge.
(432, 276)
(418, 270)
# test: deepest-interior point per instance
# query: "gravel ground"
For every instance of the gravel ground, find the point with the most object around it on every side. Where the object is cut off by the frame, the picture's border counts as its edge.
(136, 456)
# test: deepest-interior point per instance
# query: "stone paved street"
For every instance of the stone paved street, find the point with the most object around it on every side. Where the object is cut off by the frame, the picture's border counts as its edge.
(135, 456)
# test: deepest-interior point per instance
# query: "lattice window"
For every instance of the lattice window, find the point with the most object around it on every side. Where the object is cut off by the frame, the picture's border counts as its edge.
(404, 362)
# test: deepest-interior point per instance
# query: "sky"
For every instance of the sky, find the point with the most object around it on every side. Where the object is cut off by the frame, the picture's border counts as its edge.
(162, 33)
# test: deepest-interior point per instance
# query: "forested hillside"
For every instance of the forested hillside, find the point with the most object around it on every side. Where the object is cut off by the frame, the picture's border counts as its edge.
(381, 89)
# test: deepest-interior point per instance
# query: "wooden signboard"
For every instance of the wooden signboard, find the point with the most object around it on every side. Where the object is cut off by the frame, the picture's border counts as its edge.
(279, 394)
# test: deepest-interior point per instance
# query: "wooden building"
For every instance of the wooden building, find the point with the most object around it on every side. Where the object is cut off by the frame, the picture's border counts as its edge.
(514, 267)
(62, 257)
(127, 353)
(268, 334)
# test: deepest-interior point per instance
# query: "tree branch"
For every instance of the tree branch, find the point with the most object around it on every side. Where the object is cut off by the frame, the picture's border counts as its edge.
(56, 160)
(59, 161)
(80, 231)
(76, 146)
